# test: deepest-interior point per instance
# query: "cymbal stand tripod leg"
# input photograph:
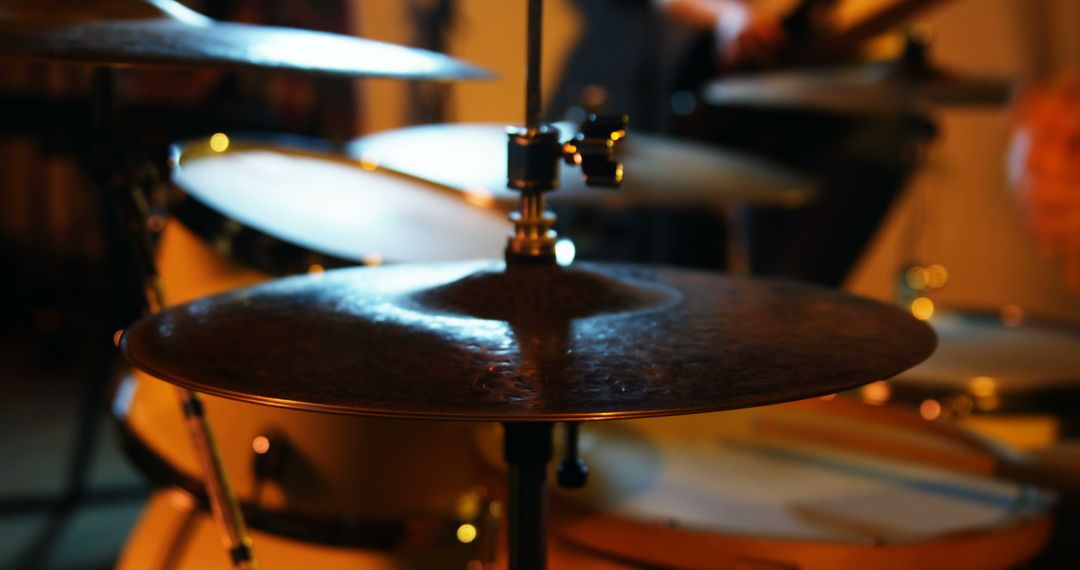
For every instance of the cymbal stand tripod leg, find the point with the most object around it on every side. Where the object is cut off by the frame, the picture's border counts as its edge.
(130, 206)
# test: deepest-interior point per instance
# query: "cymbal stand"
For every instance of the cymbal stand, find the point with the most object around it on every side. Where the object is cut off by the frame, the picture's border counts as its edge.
(131, 210)
(533, 159)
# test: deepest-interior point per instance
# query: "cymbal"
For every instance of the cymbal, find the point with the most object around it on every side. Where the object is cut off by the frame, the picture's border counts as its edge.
(165, 33)
(475, 341)
(660, 171)
(910, 82)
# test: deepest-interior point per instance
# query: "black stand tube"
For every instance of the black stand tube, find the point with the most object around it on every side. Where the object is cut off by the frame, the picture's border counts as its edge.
(528, 450)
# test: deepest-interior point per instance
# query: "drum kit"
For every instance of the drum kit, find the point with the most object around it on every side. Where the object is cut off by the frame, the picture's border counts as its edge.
(381, 416)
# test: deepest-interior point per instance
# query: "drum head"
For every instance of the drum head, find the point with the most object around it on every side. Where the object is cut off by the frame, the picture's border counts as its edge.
(981, 353)
(327, 204)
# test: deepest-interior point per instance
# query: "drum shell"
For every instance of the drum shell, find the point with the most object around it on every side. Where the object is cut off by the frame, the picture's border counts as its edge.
(335, 466)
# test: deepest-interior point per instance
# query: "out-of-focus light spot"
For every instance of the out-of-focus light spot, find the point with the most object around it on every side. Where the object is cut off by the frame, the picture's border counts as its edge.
(495, 509)
(219, 142)
(962, 405)
(369, 161)
(316, 268)
(876, 393)
(937, 275)
(261, 444)
(565, 252)
(372, 259)
(619, 173)
(155, 223)
(182, 501)
(481, 197)
(930, 410)
(468, 506)
(922, 308)
(618, 135)
(577, 158)
(683, 103)
(917, 277)
(988, 403)
(117, 336)
(829, 397)
(983, 386)
(1012, 316)
(466, 533)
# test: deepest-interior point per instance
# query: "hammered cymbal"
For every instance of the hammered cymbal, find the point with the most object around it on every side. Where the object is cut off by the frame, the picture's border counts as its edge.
(472, 341)
(165, 33)
(660, 171)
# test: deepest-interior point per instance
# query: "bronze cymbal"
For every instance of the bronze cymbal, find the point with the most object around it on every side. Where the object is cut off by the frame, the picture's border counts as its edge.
(909, 83)
(660, 171)
(472, 341)
(165, 33)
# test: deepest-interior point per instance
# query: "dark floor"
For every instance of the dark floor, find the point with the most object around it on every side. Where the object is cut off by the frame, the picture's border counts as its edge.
(39, 424)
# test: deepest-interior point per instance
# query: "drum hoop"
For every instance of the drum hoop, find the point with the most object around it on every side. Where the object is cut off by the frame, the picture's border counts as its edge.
(253, 247)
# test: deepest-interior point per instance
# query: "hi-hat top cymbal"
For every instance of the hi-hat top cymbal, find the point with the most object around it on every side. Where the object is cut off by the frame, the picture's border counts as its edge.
(471, 158)
(165, 33)
(475, 341)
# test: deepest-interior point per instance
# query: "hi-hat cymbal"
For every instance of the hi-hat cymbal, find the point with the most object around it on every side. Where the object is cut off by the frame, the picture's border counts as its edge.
(910, 82)
(165, 33)
(472, 341)
(660, 171)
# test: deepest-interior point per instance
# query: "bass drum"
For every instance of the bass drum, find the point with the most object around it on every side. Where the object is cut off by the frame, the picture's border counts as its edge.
(811, 485)
(1011, 377)
(249, 211)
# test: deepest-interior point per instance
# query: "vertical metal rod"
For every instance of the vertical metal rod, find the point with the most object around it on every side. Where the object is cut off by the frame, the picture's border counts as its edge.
(533, 87)
(528, 450)
(223, 503)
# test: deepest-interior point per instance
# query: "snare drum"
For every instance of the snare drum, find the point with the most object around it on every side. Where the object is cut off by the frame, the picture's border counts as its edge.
(811, 485)
(1014, 379)
(251, 211)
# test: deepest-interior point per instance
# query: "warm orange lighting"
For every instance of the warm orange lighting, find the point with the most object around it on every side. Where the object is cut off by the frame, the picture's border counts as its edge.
(1012, 316)
(922, 308)
(618, 135)
(988, 403)
(983, 386)
(315, 268)
(261, 444)
(372, 259)
(829, 397)
(117, 336)
(219, 142)
(369, 162)
(930, 410)
(937, 276)
(495, 509)
(466, 533)
(962, 405)
(481, 197)
(917, 277)
(876, 393)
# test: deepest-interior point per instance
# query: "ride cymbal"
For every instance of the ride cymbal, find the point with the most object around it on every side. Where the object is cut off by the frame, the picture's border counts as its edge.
(475, 341)
(165, 33)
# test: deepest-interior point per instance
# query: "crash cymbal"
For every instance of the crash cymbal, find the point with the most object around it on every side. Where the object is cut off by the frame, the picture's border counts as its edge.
(911, 82)
(660, 171)
(470, 341)
(165, 33)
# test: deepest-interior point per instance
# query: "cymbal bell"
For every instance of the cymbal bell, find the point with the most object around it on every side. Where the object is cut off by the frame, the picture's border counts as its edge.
(165, 33)
(660, 172)
(477, 341)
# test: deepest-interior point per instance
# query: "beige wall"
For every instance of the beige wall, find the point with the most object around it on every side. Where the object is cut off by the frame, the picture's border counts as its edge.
(971, 227)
